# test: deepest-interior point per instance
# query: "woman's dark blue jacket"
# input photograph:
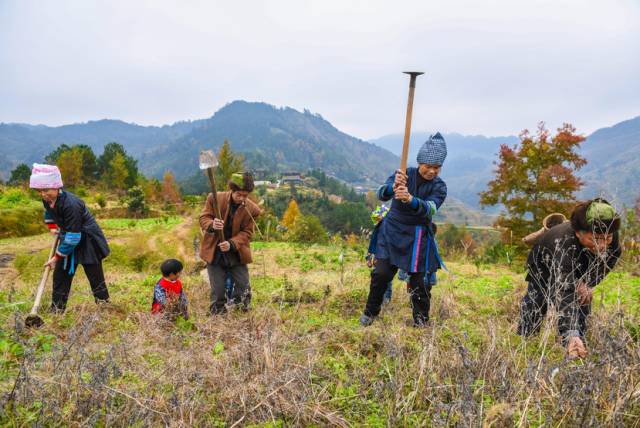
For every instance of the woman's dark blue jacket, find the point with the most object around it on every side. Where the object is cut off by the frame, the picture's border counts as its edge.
(406, 235)
(81, 239)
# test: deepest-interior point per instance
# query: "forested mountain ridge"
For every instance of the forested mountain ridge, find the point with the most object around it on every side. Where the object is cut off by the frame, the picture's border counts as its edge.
(280, 139)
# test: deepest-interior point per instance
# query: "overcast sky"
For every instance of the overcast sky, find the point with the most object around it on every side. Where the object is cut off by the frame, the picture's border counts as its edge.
(492, 67)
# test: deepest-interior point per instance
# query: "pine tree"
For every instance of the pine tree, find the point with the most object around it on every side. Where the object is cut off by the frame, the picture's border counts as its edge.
(70, 164)
(20, 175)
(89, 165)
(291, 214)
(228, 163)
(117, 172)
(104, 162)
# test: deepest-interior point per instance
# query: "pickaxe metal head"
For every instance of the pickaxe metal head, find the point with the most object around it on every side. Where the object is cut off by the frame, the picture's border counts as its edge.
(208, 159)
(414, 75)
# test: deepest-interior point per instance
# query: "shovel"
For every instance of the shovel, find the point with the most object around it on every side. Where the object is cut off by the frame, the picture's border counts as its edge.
(208, 162)
(33, 319)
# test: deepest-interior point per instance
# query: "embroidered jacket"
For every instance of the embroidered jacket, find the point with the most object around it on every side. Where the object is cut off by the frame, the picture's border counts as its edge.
(406, 235)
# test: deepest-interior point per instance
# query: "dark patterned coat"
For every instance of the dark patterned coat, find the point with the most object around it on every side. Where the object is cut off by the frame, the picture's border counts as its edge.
(406, 234)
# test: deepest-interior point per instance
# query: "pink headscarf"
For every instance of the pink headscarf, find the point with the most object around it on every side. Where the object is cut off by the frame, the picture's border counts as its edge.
(45, 177)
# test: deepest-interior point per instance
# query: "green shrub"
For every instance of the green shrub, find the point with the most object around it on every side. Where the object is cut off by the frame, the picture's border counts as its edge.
(500, 253)
(14, 197)
(21, 222)
(101, 200)
(136, 203)
(81, 192)
(307, 229)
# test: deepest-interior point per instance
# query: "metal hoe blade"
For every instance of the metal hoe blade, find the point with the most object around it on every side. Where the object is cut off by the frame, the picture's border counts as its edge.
(208, 159)
(33, 321)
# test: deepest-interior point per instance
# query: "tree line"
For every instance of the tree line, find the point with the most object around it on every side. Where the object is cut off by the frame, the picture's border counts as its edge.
(114, 171)
(533, 178)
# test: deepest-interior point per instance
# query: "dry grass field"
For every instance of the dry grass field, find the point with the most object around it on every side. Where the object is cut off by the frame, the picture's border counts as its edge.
(299, 356)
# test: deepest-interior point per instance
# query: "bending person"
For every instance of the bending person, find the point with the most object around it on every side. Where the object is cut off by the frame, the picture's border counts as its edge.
(564, 266)
(81, 239)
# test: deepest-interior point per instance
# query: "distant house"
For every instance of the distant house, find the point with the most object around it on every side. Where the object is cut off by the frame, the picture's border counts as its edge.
(260, 174)
(361, 189)
(290, 178)
(335, 199)
(266, 183)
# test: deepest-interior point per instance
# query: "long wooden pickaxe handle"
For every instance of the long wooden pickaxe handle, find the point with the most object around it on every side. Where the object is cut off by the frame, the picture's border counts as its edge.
(407, 126)
(45, 276)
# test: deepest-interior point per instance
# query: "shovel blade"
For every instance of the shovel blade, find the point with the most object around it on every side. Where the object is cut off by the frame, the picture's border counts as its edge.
(208, 159)
(33, 321)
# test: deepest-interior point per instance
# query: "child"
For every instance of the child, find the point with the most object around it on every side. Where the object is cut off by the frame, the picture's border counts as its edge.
(168, 296)
(405, 239)
(376, 217)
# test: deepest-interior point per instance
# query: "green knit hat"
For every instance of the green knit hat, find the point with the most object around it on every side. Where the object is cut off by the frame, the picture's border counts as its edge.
(600, 211)
(238, 178)
(601, 216)
(241, 181)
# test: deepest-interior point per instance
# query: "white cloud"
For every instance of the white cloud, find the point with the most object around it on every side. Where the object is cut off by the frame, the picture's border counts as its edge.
(493, 67)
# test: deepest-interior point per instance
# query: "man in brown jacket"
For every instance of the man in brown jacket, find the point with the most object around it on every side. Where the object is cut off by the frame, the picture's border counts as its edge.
(234, 253)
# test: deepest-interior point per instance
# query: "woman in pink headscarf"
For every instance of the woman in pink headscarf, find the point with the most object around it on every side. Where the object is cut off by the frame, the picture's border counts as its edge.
(81, 239)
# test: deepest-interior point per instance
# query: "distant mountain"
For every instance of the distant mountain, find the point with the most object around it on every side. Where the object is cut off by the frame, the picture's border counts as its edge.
(277, 139)
(281, 139)
(274, 138)
(28, 143)
(469, 165)
(613, 168)
(612, 171)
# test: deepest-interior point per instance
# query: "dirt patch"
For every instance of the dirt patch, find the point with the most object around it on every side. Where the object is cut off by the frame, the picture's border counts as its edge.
(6, 259)
(184, 239)
(7, 272)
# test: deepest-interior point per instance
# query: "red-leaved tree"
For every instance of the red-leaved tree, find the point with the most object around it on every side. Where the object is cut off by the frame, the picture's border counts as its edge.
(534, 178)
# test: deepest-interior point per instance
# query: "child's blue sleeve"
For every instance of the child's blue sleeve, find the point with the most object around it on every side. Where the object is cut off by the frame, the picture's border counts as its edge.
(385, 192)
(430, 205)
(373, 242)
(159, 295)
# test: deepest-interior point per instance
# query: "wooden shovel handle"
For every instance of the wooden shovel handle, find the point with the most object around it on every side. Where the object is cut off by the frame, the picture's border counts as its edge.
(45, 276)
(214, 201)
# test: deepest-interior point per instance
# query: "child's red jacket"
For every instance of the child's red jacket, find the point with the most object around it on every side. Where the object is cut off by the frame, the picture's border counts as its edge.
(164, 290)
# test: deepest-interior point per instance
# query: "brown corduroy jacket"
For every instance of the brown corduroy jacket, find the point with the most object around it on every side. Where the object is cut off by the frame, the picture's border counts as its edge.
(241, 229)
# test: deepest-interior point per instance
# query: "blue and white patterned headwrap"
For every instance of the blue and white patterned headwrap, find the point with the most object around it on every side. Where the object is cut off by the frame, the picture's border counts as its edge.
(433, 151)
